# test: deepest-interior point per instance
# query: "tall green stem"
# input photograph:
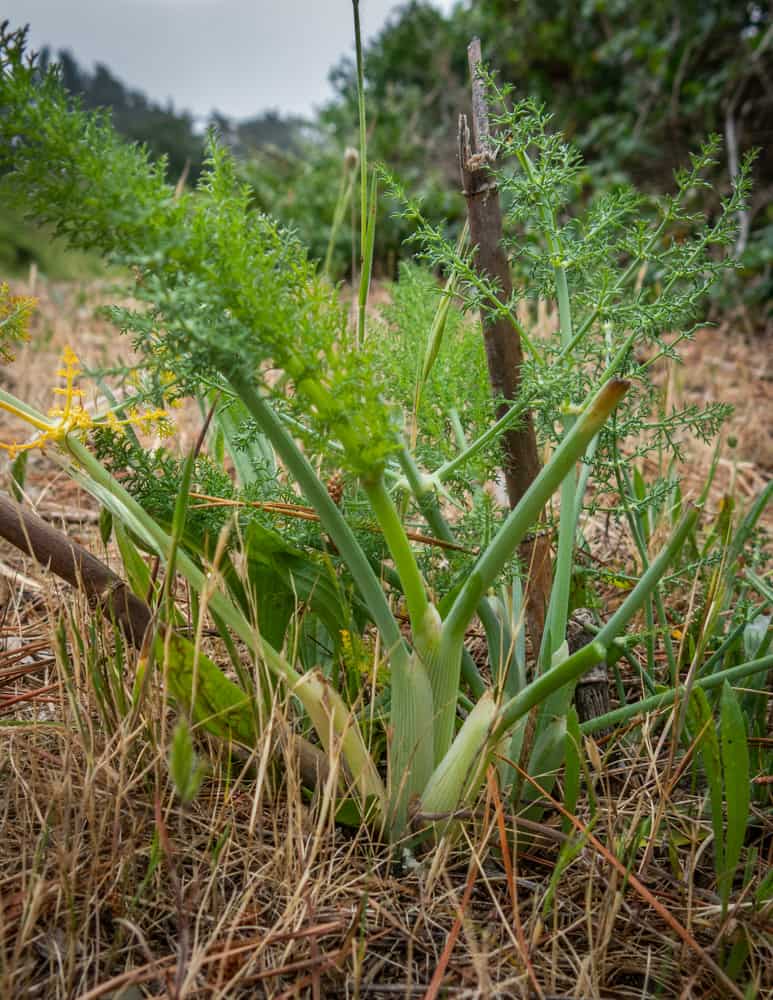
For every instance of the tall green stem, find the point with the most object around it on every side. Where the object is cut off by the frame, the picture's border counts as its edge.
(578, 663)
(402, 555)
(547, 684)
(344, 194)
(558, 609)
(330, 516)
(411, 712)
(523, 516)
(363, 161)
(666, 698)
(649, 580)
(442, 660)
(497, 632)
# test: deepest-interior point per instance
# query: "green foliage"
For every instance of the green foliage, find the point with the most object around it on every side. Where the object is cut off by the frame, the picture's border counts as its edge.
(301, 190)
(632, 285)
(185, 769)
(637, 90)
(700, 725)
(223, 284)
(154, 478)
(277, 573)
(214, 703)
(735, 769)
(231, 304)
(457, 379)
(15, 312)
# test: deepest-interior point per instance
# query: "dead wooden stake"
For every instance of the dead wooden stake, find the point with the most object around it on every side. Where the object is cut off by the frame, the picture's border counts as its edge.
(503, 345)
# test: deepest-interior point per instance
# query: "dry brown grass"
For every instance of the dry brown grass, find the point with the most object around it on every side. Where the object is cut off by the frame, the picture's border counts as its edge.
(257, 892)
(109, 888)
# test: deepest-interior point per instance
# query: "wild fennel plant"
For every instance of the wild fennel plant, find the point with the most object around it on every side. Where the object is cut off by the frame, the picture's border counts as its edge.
(231, 305)
(627, 277)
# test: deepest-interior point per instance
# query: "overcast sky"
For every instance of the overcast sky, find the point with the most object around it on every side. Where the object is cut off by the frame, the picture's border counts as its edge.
(240, 57)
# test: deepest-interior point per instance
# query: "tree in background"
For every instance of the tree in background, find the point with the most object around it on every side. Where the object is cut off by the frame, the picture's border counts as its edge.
(637, 88)
(165, 131)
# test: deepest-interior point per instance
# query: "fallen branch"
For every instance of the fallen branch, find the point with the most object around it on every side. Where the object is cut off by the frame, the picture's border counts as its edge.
(106, 591)
(70, 561)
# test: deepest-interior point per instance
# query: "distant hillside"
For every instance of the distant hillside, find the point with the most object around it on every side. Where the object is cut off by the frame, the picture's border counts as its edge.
(166, 131)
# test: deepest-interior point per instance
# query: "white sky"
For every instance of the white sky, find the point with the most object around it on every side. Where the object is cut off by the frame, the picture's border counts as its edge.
(240, 57)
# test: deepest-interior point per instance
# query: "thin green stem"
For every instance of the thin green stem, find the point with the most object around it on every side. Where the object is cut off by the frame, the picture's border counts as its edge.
(363, 159)
(657, 701)
(402, 555)
(523, 516)
(344, 194)
(649, 580)
(330, 516)
(367, 257)
(578, 663)
(564, 303)
(439, 321)
(637, 531)
(547, 683)
(759, 585)
(446, 470)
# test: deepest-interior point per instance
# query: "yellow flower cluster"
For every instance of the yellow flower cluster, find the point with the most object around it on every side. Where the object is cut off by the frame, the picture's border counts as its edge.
(168, 383)
(357, 656)
(71, 416)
